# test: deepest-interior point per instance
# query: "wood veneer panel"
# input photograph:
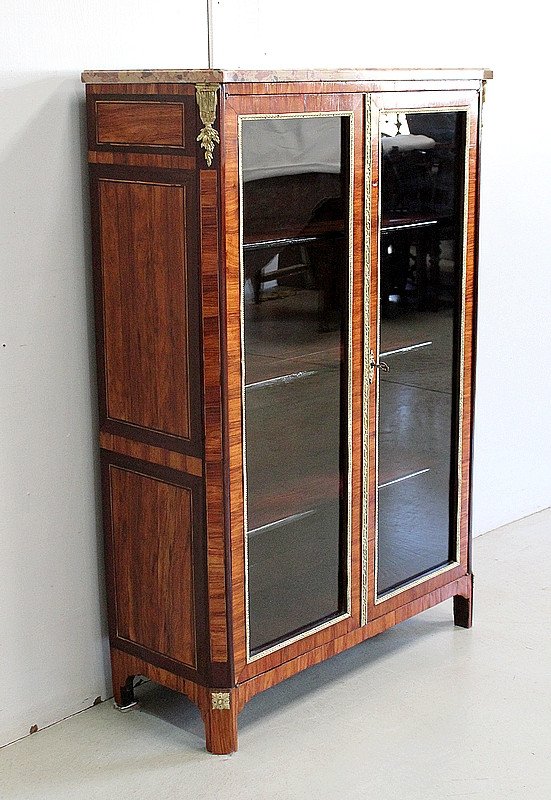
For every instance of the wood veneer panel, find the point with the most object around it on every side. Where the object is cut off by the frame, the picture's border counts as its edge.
(141, 119)
(349, 87)
(141, 160)
(152, 557)
(469, 332)
(131, 122)
(208, 180)
(148, 88)
(232, 380)
(156, 455)
(143, 247)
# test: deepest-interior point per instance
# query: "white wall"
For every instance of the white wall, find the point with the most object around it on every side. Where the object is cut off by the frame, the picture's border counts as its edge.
(52, 629)
(512, 447)
(53, 647)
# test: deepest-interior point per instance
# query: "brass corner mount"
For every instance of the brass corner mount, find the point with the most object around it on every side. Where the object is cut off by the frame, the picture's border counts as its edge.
(206, 95)
(221, 701)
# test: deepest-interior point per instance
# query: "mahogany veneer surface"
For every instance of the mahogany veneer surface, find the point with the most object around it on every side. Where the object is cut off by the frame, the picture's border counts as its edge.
(120, 122)
(166, 244)
(152, 540)
(143, 247)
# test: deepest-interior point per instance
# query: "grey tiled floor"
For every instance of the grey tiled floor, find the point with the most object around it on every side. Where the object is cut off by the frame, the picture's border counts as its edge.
(425, 711)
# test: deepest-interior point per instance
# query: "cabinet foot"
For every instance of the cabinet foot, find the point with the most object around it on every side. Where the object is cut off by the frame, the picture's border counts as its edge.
(123, 685)
(463, 608)
(220, 717)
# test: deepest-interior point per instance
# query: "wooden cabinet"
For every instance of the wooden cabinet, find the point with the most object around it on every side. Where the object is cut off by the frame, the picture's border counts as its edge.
(285, 288)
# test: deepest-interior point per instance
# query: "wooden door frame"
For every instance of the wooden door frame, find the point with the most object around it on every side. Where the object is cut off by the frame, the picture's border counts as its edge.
(377, 103)
(310, 101)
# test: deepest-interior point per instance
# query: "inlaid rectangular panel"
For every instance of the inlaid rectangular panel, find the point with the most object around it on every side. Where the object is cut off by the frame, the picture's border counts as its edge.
(152, 563)
(144, 271)
(130, 122)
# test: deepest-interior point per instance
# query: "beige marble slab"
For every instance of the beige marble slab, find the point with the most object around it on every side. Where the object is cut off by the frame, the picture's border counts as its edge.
(279, 76)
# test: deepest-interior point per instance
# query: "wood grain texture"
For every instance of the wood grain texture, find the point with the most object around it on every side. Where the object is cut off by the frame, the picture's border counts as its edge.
(349, 87)
(144, 123)
(281, 105)
(168, 299)
(152, 551)
(471, 304)
(141, 119)
(212, 400)
(141, 160)
(474, 319)
(147, 315)
(143, 249)
(232, 380)
(186, 488)
(220, 724)
(155, 455)
(149, 88)
(221, 727)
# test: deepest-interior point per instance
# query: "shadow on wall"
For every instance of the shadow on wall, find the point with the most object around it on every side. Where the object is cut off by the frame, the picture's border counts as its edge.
(52, 607)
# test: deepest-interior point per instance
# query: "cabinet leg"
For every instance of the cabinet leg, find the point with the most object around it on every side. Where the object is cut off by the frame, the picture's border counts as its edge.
(220, 718)
(123, 685)
(463, 608)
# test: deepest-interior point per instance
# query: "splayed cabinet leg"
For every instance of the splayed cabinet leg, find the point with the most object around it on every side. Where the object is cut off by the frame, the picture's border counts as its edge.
(463, 608)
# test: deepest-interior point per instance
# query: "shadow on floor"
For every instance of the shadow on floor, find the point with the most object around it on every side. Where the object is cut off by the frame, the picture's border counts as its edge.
(175, 709)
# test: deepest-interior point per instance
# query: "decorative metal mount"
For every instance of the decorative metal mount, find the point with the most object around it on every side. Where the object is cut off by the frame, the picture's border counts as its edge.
(206, 100)
(221, 701)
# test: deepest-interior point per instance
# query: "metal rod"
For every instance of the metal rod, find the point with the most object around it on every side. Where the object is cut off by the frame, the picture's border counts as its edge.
(405, 478)
(386, 228)
(279, 522)
(404, 349)
(289, 240)
(293, 376)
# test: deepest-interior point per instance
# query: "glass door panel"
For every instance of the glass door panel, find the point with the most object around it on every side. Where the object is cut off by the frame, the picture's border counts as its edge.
(295, 196)
(421, 257)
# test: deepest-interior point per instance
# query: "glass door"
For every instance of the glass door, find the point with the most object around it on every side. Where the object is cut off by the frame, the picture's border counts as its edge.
(295, 195)
(416, 360)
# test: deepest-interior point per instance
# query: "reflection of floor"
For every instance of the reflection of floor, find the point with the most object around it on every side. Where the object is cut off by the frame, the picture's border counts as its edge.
(294, 569)
(414, 440)
(283, 336)
(292, 413)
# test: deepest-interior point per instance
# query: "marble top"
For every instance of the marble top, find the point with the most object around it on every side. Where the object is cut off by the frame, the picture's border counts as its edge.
(281, 75)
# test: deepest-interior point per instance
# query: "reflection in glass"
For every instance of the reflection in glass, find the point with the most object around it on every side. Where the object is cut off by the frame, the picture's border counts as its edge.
(295, 207)
(421, 258)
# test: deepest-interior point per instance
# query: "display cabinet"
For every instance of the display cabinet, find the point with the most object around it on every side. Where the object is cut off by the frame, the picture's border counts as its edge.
(285, 288)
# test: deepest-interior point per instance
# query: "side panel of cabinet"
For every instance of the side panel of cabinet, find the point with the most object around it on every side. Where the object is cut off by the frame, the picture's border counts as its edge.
(147, 291)
(377, 604)
(154, 545)
(156, 249)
